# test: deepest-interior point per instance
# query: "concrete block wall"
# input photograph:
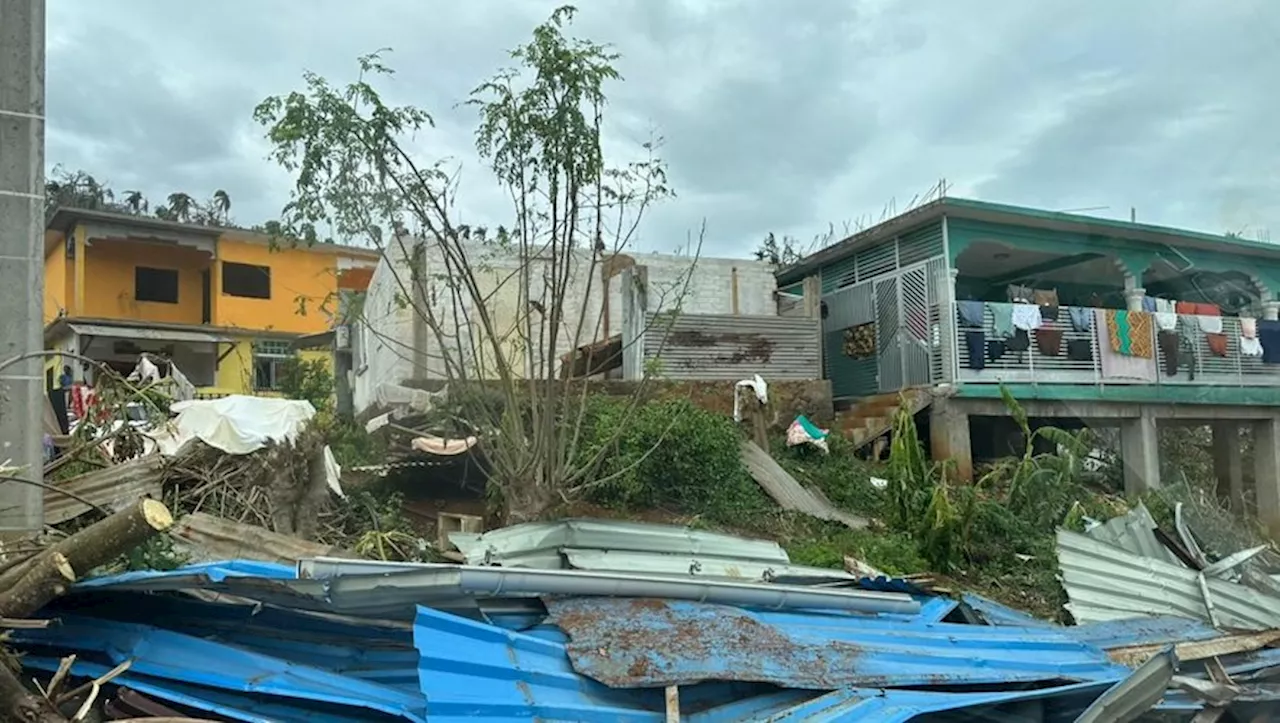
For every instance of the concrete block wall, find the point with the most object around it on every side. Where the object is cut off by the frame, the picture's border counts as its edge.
(709, 288)
(398, 348)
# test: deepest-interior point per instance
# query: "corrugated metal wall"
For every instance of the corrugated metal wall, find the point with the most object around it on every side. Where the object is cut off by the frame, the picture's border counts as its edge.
(707, 346)
(885, 257)
(848, 290)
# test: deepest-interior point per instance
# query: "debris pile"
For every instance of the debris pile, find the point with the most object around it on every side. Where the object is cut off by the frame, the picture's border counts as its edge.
(588, 620)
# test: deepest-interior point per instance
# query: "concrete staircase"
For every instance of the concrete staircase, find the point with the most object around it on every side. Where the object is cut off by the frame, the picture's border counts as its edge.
(870, 420)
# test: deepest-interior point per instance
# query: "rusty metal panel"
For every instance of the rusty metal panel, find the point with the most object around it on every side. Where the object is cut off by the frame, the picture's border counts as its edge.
(653, 642)
(728, 347)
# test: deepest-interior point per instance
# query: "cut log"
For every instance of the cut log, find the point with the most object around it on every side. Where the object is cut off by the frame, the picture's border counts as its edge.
(105, 540)
(19, 705)
(43, 580)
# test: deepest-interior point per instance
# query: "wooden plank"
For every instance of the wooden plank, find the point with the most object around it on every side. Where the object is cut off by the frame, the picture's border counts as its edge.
(673, 704)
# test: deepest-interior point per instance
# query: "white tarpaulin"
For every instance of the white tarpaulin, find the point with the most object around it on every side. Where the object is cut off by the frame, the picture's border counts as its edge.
(236, 424)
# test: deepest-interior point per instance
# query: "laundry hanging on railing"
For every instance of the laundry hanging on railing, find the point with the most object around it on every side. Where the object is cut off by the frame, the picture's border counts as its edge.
(1002, 320)
(1081, 318)
(1166, 317)
(1027, 317)
(1047, 300)
(1269, 336)
(972, 313)
(1218, 345)
(976, 344)
(1113, 363)
(1049, 341)
(1130, 332)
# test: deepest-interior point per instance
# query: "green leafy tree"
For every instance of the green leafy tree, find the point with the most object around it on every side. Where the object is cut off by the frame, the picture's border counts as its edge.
(359, 177)
(779, 252)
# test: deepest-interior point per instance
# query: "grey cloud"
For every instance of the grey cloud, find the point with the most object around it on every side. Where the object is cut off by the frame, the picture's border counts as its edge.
(777, 116)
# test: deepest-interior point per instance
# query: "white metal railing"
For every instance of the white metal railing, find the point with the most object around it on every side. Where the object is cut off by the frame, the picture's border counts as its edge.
(1199, 364)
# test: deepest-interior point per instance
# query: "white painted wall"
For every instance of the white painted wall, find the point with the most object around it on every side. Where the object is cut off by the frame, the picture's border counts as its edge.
(388, 337)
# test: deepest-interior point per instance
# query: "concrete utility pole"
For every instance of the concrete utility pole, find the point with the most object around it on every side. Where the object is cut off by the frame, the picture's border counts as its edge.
(21, 258)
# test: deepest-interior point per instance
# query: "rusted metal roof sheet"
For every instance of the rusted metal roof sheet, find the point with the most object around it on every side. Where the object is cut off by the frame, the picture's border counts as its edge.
(654, 642)
(729, 348)
(788, 492)
(1104, 582)
(111, 487)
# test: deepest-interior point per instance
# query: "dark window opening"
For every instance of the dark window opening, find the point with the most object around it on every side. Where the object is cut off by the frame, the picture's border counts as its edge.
(246, 280)
(159, 285)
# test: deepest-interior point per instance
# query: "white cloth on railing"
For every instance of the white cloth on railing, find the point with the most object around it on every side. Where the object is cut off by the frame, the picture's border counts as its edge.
(1027, 317)
(1210, 324)
(1248, 327)
(1166, 316)
(1250, 346)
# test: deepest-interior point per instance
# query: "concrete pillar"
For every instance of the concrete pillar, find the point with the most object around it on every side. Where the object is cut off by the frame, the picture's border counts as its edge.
(1228, 464)
(1133, 298)
(1140, 454)
(22, 258)
(949, 438)
(1271, 310)
(1266, 454)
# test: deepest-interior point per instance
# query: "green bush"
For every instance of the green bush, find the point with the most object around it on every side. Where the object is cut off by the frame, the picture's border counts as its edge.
(668, 454)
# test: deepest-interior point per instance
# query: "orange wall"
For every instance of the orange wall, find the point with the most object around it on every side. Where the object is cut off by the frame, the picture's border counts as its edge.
(109, 281)
(56, 275)
(295, 273)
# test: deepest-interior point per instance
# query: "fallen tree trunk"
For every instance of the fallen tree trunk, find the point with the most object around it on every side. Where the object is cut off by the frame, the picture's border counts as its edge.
(31, 586)
(43, 580)
(21, 706)
(104, 541)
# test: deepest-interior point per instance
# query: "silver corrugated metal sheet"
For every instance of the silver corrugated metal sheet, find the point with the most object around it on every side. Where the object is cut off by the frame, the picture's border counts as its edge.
(111, 487)
(1134, 532)
(1104, 582)
(710, 346)
(532, 544)
(154, 334)
(1129, 699)
(643, 563)
(787, 492)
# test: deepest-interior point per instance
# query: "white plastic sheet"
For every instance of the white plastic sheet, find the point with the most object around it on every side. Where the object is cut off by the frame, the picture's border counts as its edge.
(236, 424)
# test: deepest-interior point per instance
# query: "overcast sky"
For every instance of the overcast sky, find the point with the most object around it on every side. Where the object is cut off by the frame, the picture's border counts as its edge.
(778, 116)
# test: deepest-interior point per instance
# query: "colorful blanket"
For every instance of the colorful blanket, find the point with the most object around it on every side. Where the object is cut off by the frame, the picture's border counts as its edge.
(1131, 333)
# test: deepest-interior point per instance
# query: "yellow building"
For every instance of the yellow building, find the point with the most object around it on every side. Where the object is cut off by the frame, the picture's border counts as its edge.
(221, 303)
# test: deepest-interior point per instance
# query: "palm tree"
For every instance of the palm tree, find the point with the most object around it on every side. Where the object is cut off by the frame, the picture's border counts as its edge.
(135, 201)
(180, 205)
(221, 205)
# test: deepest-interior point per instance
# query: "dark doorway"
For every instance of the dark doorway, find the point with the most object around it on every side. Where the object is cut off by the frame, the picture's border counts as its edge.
(206, 297)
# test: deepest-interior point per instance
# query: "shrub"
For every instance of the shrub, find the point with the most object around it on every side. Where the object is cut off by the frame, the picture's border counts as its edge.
(670, 454)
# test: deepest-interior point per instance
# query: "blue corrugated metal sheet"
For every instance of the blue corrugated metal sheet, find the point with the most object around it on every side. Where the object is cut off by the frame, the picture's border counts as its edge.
(631, 643)
(233, 706)
(211, 572)
(1152, 630)
(999, 614)
(472, 670)
(164, 655)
